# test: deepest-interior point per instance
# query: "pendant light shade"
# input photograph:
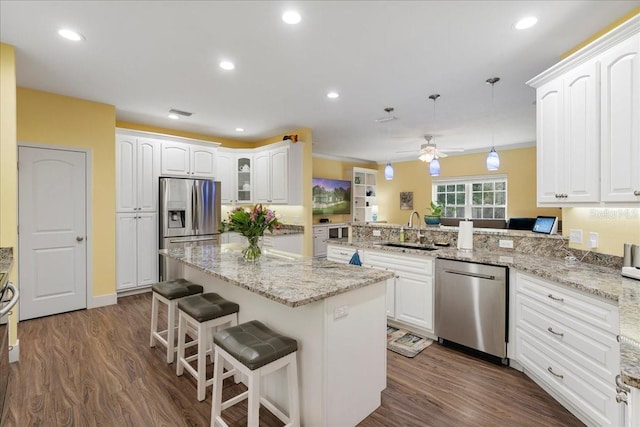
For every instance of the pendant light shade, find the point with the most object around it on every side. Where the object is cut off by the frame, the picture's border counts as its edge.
(493, 160)
(434, 167)
(388, 171)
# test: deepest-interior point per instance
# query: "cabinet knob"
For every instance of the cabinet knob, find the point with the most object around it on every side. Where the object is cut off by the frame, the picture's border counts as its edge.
(79, 238)
(555, 298)
(636, 193)
(550, 329)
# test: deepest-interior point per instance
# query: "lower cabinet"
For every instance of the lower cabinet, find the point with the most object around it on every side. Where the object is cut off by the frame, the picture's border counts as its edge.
(287, 243)
(136, 250)
(232, 237)
(566, 341)
(320, 236)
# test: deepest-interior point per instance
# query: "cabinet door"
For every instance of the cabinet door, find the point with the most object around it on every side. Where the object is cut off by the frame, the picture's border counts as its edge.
(148, 170)
(244, 183)
(549, 141)
(175, 159)
(279, 168)
(261, 177)
(289, 243)
(620, 127)
(320, 236)
(414, 300)
(202, 161)
(225, 165)
(126, 153)
(391, 297)
(126, 252)
(147, 248)
(581, 165)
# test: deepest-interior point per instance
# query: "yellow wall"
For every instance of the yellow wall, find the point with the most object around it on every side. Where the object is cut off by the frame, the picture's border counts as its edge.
(518, 164)
(47, 118)
(336, 169)
(8, 170)
(615, 226)
(225, 142)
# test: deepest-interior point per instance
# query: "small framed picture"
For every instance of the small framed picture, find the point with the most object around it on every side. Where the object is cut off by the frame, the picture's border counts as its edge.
(406, 200)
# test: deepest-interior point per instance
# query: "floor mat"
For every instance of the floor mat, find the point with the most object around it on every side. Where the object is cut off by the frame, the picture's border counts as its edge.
(406, 343)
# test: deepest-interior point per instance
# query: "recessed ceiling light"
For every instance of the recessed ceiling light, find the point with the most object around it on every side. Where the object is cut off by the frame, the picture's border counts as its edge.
(70, 35)
(173, 116)
(227, 65)
(333, 95)
(239, 130)
(525, 23)
(291, 17)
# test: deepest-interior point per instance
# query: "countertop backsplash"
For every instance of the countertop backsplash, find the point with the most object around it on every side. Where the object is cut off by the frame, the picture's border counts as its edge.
(524, 242)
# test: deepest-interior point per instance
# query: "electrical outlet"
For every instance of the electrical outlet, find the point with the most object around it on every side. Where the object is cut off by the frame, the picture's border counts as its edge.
(341, 312)
(376, 233)
(506, 243)
(593, 240)
(575, 236)
(296, 220)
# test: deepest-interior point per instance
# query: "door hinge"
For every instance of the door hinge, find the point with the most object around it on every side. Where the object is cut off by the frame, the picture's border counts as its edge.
(18, 165)
(17, 229)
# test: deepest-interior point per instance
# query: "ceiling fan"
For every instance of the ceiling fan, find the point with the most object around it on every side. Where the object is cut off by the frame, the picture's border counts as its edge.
(429, 151)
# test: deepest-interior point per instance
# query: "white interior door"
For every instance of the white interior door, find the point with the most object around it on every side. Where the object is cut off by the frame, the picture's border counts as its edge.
(52, 231)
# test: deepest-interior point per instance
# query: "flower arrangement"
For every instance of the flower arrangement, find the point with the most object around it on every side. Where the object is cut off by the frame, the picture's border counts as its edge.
(251, 223)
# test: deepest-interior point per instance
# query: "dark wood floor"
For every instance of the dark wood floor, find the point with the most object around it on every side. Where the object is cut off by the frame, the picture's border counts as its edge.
(95, 368)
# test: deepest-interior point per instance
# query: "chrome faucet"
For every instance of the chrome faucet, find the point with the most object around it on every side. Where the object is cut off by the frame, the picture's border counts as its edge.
(420, 235)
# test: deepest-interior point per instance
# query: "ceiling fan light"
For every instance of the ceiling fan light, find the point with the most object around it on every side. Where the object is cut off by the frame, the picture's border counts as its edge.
(493, 160)
(388, 171)
(426, 157)
(434, 167)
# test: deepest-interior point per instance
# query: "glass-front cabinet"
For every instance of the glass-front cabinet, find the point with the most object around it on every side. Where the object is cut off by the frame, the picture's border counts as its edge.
(244, 178)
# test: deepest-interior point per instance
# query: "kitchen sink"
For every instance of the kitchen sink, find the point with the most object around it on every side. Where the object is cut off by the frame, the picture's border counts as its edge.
(417, 246)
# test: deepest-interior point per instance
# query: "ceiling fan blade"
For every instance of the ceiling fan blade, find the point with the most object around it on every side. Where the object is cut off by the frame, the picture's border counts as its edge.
(441, 154)
(451, 150)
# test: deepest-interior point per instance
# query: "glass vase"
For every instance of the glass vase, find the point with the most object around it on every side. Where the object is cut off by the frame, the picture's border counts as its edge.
(252, 252)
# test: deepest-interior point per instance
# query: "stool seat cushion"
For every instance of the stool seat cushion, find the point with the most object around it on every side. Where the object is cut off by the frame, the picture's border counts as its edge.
(177, 288)
(254, 345)
(207, 306)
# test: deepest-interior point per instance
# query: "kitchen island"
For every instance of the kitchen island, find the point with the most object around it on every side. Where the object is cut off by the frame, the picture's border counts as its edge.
(336, 313)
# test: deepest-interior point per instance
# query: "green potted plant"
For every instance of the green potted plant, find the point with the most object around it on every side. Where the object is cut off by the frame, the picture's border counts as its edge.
(436, 212)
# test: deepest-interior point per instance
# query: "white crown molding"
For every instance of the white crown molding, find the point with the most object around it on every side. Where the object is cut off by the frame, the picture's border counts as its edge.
(343, 159)
(163, 136)
(622, 32)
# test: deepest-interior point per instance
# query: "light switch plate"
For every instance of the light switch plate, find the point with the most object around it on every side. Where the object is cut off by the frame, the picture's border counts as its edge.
(340, 312)
(593, 240)
(376, 233)
(575, 236)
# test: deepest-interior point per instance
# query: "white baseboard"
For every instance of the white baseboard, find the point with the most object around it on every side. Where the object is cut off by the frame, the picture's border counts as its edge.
(134, 291)
(14, 352)
(102, 300)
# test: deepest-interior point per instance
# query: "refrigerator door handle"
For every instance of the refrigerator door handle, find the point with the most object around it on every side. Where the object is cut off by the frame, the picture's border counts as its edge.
(194, 208)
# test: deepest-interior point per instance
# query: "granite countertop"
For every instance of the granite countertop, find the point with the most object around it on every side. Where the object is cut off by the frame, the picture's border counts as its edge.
(289, 279)
(287, 229)
(6, 259)
(600, 281)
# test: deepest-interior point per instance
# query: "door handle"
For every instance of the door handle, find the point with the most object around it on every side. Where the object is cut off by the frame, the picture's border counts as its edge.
(79, 238)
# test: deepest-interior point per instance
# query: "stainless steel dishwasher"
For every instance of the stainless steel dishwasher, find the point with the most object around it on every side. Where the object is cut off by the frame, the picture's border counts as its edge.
(471, 306)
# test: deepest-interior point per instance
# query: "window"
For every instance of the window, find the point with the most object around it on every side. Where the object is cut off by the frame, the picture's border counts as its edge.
(472, 197)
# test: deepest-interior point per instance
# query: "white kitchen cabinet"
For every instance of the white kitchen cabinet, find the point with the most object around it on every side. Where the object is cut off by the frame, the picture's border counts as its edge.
(285, 242)
(413, 290)
(620, 128)
(232, 237)
(566, 341)
(137, 171)
(588, 123)
(568, 161)
(189, 160)
(234, 169)
(136, 250)
(278, 174)
(320, 236)
(364, 195)
(226, 174)
(343, 254)
(244, 177)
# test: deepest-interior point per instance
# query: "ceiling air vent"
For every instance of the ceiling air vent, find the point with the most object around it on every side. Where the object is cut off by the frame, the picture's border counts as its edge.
(180, 113)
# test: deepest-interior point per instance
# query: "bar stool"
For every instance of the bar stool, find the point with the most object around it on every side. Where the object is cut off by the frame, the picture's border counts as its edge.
(205, 313)
(169, 293)
(255, 351)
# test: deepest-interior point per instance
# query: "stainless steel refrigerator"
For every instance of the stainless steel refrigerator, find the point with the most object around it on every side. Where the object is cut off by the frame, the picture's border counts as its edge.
(189, 216)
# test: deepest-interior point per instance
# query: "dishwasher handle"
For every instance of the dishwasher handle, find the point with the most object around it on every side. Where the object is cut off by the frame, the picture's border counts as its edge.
(478, 275)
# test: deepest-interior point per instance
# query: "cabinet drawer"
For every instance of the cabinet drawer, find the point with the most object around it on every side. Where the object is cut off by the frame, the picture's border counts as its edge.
(421, 266)
(589, 394)
(593, 349)
(342, 254)
(588, 309)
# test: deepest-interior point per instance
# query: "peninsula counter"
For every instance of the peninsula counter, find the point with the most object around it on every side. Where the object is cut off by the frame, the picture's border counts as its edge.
(336, 312)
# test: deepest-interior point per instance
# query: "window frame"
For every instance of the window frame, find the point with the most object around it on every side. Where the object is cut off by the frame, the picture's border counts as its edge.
(468, 182)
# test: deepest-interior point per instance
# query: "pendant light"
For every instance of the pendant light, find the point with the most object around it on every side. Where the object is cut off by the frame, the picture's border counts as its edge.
(388, 169)
(493, 160)
(434, 164)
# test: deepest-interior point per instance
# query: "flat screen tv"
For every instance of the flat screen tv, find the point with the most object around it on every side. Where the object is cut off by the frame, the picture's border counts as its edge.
(331, 197)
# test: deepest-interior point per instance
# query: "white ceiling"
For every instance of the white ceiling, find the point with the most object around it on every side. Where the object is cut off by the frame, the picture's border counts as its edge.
(146, 57)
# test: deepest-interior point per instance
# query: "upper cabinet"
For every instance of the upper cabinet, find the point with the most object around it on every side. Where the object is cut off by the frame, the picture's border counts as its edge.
(588, 123)
(620, 128)
(137, 171)
(277, 176)
(235, 172)
(189, 160)
(364, 194)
